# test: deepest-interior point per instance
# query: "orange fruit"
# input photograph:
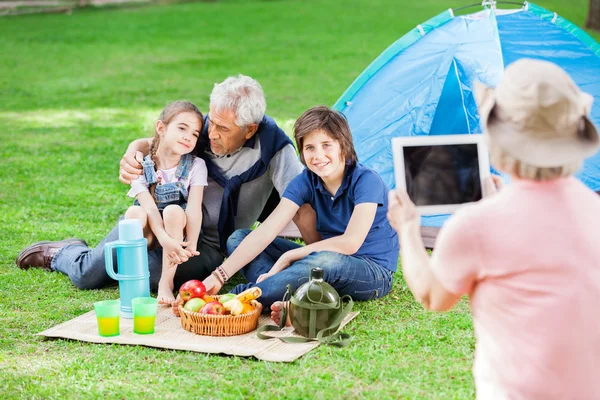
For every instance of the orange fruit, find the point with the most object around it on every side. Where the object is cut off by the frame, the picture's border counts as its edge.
(208, 298)
(247, 308)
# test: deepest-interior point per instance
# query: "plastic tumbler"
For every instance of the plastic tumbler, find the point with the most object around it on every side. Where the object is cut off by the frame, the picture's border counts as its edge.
(144, 314)
(107, 315)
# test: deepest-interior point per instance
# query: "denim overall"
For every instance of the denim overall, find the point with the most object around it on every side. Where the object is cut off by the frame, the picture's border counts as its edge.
(171, 192)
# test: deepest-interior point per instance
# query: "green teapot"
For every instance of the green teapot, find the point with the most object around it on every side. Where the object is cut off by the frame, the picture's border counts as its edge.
(316, 311)
(315, 307)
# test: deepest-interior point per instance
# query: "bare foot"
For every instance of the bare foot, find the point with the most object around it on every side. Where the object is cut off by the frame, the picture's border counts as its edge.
(276, 309)
(165, 294)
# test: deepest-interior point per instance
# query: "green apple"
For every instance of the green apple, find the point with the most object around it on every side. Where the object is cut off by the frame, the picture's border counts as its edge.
(226, 297)
(194, 304)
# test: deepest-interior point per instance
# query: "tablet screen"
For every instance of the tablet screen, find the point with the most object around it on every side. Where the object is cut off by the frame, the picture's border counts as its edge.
(442, 174)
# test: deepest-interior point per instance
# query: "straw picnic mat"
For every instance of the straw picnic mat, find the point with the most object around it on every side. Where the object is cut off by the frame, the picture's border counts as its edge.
(168, 334)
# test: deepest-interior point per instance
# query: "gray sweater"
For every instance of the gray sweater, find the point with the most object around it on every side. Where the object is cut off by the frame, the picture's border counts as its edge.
(284, 167)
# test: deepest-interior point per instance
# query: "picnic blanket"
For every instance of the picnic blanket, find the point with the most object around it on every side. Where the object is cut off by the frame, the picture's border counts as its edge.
(168, 334)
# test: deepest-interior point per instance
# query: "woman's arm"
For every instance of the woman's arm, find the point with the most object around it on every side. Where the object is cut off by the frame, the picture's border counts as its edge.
(416, 263)
(131, 163)
(193, 212)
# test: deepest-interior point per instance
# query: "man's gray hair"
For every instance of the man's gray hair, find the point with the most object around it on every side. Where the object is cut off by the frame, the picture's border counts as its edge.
(242, 95)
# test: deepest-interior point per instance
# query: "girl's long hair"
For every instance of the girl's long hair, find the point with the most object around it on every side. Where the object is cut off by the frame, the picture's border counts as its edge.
(166, 116)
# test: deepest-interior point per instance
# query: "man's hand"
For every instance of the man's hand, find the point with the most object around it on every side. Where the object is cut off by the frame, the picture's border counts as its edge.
(130, 166)
(212, 284)
(401, 209)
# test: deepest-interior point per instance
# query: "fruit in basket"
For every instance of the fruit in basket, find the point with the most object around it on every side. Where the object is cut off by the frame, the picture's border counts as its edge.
(208, 298)
(249, 294)
(247, 308)
(194, 304)
(226, 297)
(234, 306)
(192, 289)
(213, 308)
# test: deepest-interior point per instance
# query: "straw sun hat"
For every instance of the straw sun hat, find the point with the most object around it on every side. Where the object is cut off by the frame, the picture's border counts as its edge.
(538, 115)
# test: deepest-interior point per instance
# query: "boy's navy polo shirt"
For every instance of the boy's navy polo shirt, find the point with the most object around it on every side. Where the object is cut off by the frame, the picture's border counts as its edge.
(360, 185)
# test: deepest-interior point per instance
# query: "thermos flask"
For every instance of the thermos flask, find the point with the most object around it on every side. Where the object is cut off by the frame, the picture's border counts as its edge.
(132, 261)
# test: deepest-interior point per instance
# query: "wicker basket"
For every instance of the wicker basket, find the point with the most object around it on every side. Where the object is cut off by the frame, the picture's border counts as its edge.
(220, 325)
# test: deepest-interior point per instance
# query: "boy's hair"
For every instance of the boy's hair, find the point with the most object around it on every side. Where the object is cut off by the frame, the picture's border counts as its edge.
(166, 116)
(242, 95)
(333, 123)
(501, 159)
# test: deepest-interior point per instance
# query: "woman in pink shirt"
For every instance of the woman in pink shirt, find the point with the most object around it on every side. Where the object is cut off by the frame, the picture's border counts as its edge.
(528, 257)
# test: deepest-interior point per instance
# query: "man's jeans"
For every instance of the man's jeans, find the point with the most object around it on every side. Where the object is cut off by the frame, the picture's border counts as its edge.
(86, 267)
(361, 278)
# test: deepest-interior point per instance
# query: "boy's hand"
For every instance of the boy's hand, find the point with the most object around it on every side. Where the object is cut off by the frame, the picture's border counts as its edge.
(130, 166)
(284, 261)
(262, 277)
(212, 284)
(175, 305)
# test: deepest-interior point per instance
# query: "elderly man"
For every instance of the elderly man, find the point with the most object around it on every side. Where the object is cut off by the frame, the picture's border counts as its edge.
(247, 156)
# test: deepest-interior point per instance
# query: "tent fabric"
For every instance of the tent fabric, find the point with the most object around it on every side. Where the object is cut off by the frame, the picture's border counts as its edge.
(423, 83)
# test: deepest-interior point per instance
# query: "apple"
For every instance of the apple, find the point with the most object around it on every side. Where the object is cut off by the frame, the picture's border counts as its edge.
(194, 304)
(192, 289)
(226, 297)
(213, 308)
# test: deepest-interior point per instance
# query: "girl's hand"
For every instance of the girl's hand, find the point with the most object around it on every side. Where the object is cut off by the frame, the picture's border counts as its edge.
(212, 284)
(191, 248)
(175, 251)
(401, 210)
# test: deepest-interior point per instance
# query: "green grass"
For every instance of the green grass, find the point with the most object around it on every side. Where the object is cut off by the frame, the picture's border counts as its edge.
(76, 89)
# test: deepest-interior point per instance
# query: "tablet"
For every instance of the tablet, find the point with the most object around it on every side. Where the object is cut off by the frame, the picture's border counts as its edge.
(441, 172)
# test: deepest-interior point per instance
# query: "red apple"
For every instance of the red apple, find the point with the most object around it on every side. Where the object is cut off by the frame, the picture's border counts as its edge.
(214, 308)
(192, 289)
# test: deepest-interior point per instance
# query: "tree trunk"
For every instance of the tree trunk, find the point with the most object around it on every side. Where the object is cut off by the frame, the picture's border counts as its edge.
(593, 19)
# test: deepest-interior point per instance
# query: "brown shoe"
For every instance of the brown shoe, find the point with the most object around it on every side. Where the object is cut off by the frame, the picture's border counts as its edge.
(40, 254)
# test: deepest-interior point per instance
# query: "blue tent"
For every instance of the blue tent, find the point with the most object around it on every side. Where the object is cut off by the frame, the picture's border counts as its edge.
(423, 83)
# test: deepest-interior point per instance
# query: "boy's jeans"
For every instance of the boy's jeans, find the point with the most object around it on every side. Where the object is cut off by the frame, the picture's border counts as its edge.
(359, 277)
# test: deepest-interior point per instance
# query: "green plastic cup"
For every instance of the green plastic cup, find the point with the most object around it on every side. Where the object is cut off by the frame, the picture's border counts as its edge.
(107, 315)
(144, 314)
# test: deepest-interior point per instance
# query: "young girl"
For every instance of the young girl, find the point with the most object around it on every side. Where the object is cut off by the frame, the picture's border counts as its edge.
(528, 256)
(358, 251)
(169, 192)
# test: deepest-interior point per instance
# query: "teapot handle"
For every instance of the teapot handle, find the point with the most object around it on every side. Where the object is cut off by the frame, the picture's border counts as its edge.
(337, 338)
(108, 259)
